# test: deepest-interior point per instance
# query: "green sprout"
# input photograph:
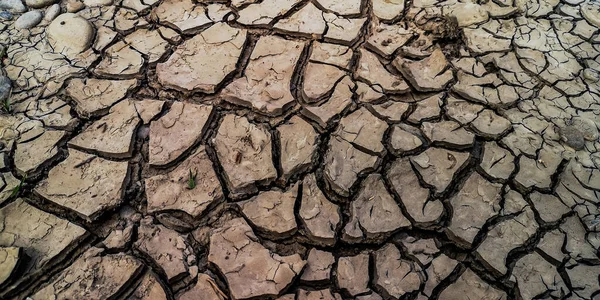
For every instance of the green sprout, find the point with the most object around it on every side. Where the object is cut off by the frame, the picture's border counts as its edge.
(192, 180)
(17, 188)
(6, 107)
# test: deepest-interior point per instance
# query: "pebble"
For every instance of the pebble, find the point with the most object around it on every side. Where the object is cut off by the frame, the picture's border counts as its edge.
(5, 15)
(13, 5)
(4, 87)
(52, 12)
(29, 19)
(39, 3)
(591, 75)
(572, 137)
(74, 6)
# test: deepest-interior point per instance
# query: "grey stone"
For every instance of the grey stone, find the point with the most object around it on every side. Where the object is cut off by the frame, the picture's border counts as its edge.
(52, 12)
(29, 19)
(39, 3)
(13, 5)
(5, 87)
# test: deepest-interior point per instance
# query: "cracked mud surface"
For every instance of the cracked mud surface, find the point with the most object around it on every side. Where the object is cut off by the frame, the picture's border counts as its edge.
(299, 149)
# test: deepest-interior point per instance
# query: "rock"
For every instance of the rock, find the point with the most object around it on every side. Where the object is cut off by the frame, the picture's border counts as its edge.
(535, 276)
(29, 19)
(353, 274)
(185, 15)
(5, 87)
(13, 6)
(165, 247)
(343, 164)
(395, 275)
(113, 135)
(298, 141)
(415, 198)
(272, 212)
(44, 238)
(51, 13)
(341, 7)
(97, 3)
(205, 289)
(265, 86)
(120, 61)
(74, 6)
(264, 274)
(388, 10)
(70, 34)
(203, 62)
(10, 258)
(438, 166)
(93, 97)
(98, 277)
(172, 191)
(374, 213)
(427, 75)
(39, 3)
(404, 139)
(31, 155)
(318, 266)
(448, 133)
(149, 289)
(506, 236)
(319, 216)
(372, 71)
(244, 152)
(470, 286)
(497, 162)
(340, 100)
(363, 130)
(177, 131)
(6, 15)
(476, 202)
(587, 127)
(82, 177)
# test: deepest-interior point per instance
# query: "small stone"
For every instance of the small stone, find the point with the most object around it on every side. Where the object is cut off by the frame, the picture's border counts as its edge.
(98, 3)
(298, 141)
(587, 127)
(70, 34)
(165, 247)
(5, 87)
(13, 5)
(172, 191)
(572, 137)
(52, 12)
(82, 177)
(318, 266)
(353, 274)
(178, 130)
(374, 213)
(6, 15)
(470, 286)
(272, 212)
(29, 19)
(438, 166)
(245, 153)
(343, 164)
(74, 6)
(265, 274)
(394, 274)
(10, 258)
(39, 3)
(477, 201)
(319, 216)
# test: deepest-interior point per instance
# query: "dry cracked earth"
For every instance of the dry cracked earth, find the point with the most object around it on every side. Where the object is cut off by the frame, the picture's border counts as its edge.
(300, 149)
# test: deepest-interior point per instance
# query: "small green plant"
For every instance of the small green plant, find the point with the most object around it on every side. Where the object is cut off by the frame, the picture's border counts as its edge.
(6, 107)
(18, 188)
(192, 180)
